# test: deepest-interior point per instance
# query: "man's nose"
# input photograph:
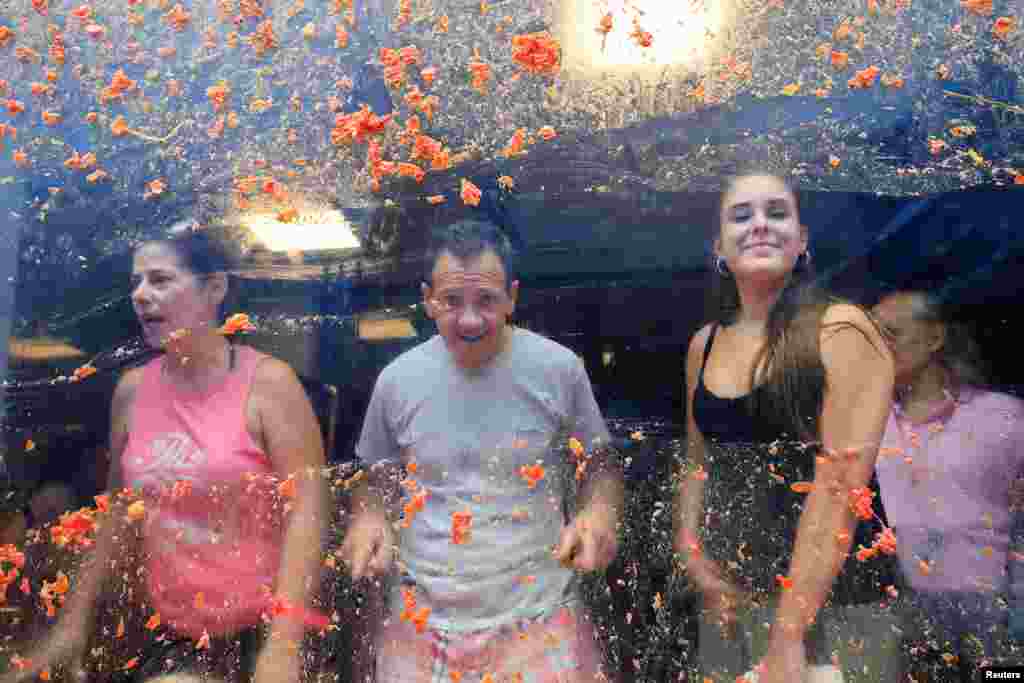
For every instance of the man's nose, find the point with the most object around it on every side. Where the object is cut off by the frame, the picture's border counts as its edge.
(469, 317)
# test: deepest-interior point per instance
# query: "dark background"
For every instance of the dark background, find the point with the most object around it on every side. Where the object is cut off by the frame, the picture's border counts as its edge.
(599, 274)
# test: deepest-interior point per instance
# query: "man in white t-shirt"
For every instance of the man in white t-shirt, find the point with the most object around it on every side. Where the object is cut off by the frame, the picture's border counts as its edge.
(489, 425)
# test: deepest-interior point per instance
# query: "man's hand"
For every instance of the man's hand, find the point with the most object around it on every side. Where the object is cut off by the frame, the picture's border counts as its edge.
(369, 546)
(590, 542)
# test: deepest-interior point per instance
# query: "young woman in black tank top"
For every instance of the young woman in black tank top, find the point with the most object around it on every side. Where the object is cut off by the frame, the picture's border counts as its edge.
(764, 514)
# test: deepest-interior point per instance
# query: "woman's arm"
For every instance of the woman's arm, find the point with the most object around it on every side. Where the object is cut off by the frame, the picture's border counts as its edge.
(293, 442)
(67, 641)
(112, 524)
(689, 499)
(718, 593)
(857, 402)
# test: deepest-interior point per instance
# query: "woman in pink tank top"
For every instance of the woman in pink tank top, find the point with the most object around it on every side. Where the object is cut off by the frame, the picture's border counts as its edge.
(216, 439)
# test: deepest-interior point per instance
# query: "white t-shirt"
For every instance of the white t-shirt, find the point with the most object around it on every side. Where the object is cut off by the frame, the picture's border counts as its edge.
(470, 433)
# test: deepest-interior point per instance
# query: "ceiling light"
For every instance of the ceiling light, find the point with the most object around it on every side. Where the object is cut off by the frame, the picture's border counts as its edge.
(315, 228)
(680, 32)
(385, 329)
(42, 349)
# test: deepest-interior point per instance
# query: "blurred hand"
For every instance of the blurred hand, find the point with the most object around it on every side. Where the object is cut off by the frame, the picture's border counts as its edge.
(64, 645)
(370, 545)
(277, 664)
(785, 662)
(720, 596)
(1017, 494)
(1016, 630)
(590, 541)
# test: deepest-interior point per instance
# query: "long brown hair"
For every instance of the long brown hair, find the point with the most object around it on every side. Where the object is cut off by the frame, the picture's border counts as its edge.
(792, 391)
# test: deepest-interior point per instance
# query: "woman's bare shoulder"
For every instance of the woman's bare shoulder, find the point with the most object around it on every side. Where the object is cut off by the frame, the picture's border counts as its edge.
(695, 351)
(849, 329)
(700, 339)
(272, 372)
(844, 315)
(275, 385)
(121, 409)
(127, 386)
(841, 312)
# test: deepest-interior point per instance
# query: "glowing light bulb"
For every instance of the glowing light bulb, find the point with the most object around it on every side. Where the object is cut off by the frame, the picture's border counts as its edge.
(315, 229)
(680, 33)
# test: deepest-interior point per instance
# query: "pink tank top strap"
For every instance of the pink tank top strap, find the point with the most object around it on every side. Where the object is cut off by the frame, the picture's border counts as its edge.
(239, 383)
(247, 359)
(148, 389)
(145, 407)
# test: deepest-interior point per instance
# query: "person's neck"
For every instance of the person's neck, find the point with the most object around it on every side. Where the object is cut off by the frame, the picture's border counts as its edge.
(756, 302)
(927, 389)
(204, 358)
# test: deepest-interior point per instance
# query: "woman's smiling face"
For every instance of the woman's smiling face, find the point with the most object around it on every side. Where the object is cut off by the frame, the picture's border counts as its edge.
(760, 235)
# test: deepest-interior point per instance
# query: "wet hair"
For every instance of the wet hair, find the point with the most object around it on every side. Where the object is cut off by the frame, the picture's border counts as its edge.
(960, 354)
(203, 252)
(466, 241)
(792, 393)
(199, 250)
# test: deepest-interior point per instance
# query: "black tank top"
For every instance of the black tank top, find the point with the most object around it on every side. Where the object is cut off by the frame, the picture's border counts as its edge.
(751, 510)
(731, 420)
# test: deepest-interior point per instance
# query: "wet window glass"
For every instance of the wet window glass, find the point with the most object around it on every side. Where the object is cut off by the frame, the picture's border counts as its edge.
(510, 342)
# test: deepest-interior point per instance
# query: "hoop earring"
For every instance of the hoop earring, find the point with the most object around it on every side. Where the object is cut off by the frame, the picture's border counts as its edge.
(721, 267)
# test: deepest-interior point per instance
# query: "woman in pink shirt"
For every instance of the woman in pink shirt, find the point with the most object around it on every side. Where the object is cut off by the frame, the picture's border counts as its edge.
(949, 457)
(217, 439)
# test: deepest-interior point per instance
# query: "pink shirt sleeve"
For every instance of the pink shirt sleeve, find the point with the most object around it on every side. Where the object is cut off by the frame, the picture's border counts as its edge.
(1015, 472)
